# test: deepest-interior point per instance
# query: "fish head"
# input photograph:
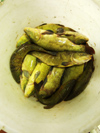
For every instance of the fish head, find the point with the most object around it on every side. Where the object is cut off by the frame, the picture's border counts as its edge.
(33, 33)
(80, 58)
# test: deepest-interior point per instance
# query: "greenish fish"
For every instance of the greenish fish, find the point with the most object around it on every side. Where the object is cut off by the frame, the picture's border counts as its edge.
(68, 82)
(53, 82)
(57, 96)
(28, 66)
(56, 28)
(75, 37)
(72, 72)
(51, 41)
(82, 81)
(18, 56)
(39, 74)
(23, 39)
(63, 59)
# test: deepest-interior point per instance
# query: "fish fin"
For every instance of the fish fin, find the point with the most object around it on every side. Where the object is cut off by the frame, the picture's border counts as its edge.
(48, 32)
(66, 63)
(89, 49)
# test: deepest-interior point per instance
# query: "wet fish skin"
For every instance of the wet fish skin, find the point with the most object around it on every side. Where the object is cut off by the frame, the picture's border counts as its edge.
(28, 66)
(82, 81)
(18, 55)
(68, 82)
(23, 39)
(39, 74)
(53, 82)
(73, 72)
(75, 37)
(51, 41)
(63, 59)
(56, 28)
(57, 97)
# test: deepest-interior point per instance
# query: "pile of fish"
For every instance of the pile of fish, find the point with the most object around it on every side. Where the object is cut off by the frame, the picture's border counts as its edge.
(52, 62)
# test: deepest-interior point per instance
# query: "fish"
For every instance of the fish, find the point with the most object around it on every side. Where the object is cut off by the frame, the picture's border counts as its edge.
(39, 74)
(82, 81)
(68, 82)
(56, 28)
(57, 96)
(75, 37)
(28, 66)
(18, 56)
(51, 41)
(52, 82)
(72, 72)
(63, 59)
(23, 39)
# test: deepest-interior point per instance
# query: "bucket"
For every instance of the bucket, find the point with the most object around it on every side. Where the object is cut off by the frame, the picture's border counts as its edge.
(26, 115)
